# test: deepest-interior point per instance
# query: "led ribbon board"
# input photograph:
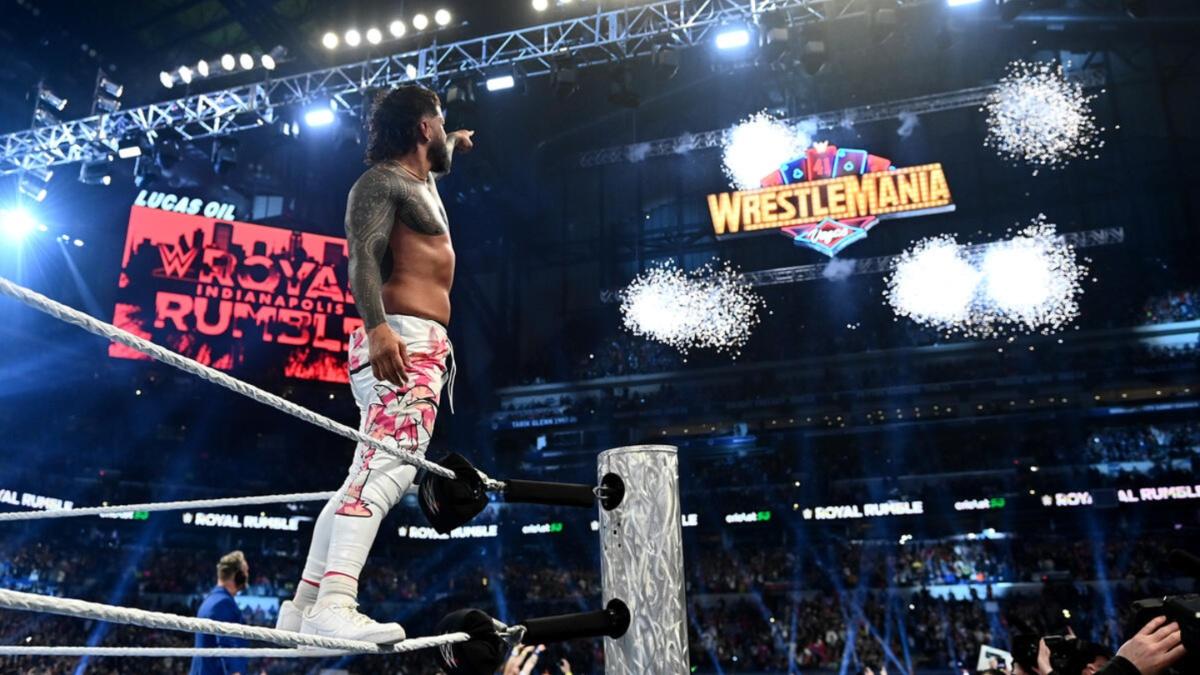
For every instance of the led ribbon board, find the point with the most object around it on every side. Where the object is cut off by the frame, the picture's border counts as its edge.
(235, 296)
(830, 198)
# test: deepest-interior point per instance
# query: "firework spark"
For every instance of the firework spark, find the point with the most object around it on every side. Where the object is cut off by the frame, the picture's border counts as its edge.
(1030, 283)
(709, 307)
(757, 146)
(1038, 117)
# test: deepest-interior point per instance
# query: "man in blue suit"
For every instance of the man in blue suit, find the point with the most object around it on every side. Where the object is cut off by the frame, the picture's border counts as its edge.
(233, 573)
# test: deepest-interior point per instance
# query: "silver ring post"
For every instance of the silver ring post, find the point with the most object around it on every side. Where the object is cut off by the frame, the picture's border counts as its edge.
(641, 561)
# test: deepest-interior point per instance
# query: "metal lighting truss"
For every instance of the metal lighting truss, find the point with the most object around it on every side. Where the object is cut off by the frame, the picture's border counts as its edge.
(600, 37)
(951, 100)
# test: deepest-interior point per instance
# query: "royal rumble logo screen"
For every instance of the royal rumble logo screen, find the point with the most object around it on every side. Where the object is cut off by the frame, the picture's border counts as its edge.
(236, 296)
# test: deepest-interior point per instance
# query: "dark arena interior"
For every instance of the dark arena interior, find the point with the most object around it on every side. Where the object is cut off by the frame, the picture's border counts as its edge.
(788, 336)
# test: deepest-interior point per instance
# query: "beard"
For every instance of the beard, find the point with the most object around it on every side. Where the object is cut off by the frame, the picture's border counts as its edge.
(439, 156)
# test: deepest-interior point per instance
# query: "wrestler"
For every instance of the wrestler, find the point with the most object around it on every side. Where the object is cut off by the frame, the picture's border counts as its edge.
(401, 269)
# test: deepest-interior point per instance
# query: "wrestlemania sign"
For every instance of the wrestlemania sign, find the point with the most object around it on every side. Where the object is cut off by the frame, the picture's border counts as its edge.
(236, 296)
(831, 197)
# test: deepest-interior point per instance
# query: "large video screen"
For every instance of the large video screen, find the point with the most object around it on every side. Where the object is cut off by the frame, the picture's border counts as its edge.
(245, 298)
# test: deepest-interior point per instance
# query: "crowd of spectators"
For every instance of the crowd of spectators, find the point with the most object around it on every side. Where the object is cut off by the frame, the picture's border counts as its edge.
(1172, 307)
(753, 609)
(827, 567)
(1155, 443)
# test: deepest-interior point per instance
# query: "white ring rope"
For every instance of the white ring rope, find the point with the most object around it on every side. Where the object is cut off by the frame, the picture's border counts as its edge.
(169, 506)
(174, 652)
(110, 332)
(147, 619)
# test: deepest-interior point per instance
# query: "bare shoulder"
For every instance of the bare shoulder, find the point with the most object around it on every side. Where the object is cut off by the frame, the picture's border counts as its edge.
(379, 182)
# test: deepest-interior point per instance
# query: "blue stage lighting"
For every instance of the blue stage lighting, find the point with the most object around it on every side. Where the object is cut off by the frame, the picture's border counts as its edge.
(319, 116)
(16, 224)
(733, 38)
(501, 82)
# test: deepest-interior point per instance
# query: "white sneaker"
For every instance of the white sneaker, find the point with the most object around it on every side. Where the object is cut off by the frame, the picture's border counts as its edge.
(343, 620)
(290, 618)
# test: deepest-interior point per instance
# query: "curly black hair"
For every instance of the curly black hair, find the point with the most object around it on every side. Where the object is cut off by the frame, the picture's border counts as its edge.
(395, 119)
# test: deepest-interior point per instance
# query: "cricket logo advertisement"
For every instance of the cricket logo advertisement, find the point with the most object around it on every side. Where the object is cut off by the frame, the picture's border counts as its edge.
(830, 197)
(236, 296)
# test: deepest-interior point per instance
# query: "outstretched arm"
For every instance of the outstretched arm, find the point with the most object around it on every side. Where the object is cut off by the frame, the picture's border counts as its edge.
(457, 141)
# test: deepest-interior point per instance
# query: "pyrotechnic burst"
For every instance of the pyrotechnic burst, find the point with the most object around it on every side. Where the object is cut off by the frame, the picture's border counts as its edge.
(933, 284)
(709, 307)
(1027, 284)
(1038, 117)
(757, 146)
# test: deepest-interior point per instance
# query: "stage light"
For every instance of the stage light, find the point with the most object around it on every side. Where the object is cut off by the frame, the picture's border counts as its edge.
(185, 74)
(330, 41)
(397, 28)
(78, 243)
(420, 22)
(224, 154)
(442, 17)
(273, 58)
(202, 68)
(167, 79)
(733, 38)
(319, 115)
(44, 117)
(16, 224)
(374, 36)
(564, 79)
(167, 152)
(267, 61)
(246, 61)
(228, 62)
(111, 88)
(131, 145)
(51, 99)
(883, 22)
(665, 62)
(106, 104)
(353, 38)
(32, 189)
(96, 172)
(541, 5)
(411, 71)
(145, 171)
(42, 173)
(501, 82)
(814, 55)
(459, 92)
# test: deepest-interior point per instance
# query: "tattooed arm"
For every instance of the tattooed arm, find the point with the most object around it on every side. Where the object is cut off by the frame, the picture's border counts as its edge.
(370, 217)
(457, 141)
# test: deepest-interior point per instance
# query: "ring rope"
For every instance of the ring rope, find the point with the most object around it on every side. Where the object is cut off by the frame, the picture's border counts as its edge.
(168, 506)
(110, 332)
(173, 652)
(162, 620)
